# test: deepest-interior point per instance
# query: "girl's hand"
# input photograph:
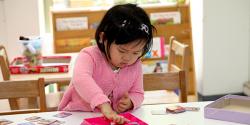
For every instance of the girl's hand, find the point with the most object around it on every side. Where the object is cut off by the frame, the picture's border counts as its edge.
(124, 104)
(111, 115)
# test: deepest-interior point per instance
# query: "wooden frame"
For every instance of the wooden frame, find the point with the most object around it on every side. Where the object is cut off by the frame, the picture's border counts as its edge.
(167, 81)
(178, 58)
(24, 89)
(4, 63)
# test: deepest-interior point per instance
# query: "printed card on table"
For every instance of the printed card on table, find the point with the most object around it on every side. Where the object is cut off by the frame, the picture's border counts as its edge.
(62, 114)
(103, 121)
(5, 122)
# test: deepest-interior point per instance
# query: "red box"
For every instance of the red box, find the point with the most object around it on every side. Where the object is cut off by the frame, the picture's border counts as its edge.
(50, 64)
(103, 121)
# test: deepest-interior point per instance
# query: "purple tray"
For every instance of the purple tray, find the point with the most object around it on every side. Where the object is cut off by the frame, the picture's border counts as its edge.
(231, 108)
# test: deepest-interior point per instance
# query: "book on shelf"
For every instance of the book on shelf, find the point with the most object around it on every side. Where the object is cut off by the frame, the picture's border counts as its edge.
(158, 49)
(154, 66)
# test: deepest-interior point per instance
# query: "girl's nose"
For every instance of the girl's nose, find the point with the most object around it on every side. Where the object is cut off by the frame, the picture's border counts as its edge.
(126, 58)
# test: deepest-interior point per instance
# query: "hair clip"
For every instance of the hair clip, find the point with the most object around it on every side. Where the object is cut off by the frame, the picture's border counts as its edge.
(124, 23)
(144, 28)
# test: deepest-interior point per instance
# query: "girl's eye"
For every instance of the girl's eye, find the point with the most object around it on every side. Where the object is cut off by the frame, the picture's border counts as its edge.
(121, 51)
(136, 53)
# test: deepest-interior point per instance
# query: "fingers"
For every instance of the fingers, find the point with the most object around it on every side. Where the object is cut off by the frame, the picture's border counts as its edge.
(120, 119)
(126, 95)
(121, 108)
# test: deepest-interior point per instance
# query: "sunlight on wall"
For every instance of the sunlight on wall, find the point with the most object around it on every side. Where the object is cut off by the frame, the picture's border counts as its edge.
(197, 29)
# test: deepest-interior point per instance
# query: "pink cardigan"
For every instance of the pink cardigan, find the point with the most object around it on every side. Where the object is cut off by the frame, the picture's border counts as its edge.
(93, 80)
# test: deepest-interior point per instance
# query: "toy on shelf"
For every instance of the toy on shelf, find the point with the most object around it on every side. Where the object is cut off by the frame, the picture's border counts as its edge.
(32, 50)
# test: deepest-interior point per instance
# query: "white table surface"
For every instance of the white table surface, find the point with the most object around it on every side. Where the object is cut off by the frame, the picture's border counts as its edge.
(144, 113)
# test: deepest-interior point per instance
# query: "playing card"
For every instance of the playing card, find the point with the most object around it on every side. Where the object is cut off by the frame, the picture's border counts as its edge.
(175, 109)
(57, 122)
(33, 118)
(192, 108)
(26, 123)
(5, 122)
(62, 114)
(159, 112)
(46, 121)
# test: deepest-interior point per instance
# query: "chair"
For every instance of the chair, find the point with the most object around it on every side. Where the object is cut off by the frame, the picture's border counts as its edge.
(4, 63)
(177, 61)
(166, 81)
(23, 89)
(178, 52)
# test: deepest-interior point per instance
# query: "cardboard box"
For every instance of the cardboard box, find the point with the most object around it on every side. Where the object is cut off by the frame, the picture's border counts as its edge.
(50, 64)
(232, 108)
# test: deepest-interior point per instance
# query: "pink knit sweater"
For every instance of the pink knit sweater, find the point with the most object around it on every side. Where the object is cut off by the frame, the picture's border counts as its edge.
(94, 82)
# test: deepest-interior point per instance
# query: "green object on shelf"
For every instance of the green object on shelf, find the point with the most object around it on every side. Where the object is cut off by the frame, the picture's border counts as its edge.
(181, 1)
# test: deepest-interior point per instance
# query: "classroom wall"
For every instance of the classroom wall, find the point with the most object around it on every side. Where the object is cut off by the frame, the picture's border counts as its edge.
(21, 18)
(249, 53)
(225, 65)
(196, 8)
(2, 24)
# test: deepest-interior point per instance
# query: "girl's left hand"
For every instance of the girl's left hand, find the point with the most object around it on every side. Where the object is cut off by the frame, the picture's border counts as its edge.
(124, 104)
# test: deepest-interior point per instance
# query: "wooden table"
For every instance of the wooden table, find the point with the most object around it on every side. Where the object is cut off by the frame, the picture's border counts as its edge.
(50, 77)
(144, 113)
(48, 50)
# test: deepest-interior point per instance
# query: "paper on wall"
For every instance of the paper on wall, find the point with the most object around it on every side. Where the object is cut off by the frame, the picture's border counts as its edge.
(72, 23)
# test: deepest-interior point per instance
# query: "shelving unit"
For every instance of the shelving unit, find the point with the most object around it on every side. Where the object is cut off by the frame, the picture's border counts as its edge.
(181, 31)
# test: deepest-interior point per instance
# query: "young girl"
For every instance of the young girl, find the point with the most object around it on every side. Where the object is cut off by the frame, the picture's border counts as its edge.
(108, 77)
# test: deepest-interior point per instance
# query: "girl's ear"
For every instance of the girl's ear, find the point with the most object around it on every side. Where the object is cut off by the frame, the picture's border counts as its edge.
(101, 35)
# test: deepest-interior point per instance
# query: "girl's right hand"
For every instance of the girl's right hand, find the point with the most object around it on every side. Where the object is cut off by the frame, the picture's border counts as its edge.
(108, 112)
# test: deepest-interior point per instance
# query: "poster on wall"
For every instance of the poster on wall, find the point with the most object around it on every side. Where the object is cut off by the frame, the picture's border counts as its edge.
(165, 18)
(71, 23)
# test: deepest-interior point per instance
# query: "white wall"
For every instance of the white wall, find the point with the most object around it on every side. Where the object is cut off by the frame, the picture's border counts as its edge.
(249, 53)
(225, 46)
(2, 24)
(197, 35)
(22, 18)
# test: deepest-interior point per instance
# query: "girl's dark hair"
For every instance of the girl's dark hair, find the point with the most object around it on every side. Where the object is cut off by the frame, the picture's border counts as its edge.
(123, 24)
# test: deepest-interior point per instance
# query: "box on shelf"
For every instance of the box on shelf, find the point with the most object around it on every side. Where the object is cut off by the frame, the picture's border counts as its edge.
(50, 64)
(232, 108)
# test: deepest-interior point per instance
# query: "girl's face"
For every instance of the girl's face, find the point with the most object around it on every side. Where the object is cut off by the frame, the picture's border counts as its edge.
(126, 54)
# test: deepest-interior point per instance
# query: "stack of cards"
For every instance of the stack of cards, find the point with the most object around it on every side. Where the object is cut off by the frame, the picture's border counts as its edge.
(174, 110)
(34, 120)
(39, 120)
(62, 114)
(5, 122)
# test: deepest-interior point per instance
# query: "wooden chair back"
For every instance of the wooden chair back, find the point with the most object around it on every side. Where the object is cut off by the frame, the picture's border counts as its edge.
(167, 81)
(178, 58)
(178, 49)
(4, 63)
(23, 89)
